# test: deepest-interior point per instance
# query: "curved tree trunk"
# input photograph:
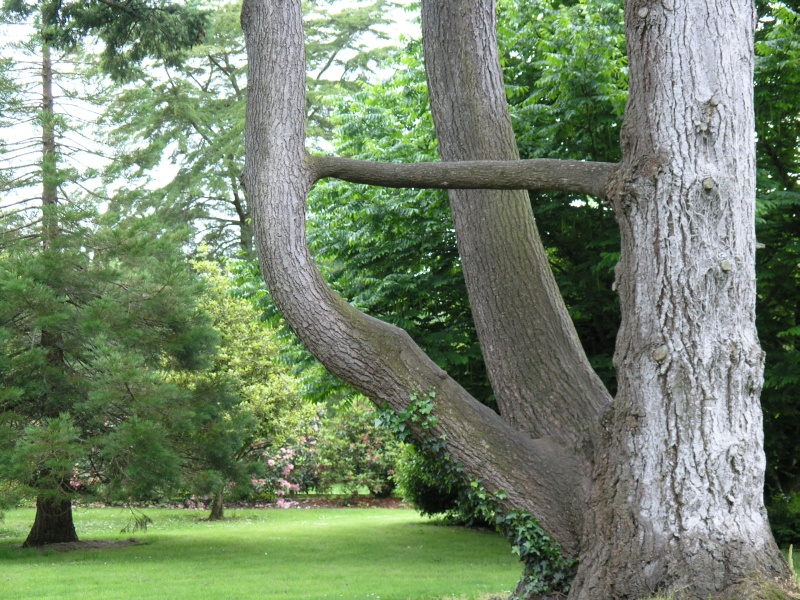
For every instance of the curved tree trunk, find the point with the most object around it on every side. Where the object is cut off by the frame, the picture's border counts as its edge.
(53, 523)
(678, 498)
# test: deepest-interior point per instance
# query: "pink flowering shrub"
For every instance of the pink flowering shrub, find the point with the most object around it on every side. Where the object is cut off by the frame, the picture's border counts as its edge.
(290, 469)
(344, 449)
(354, 453)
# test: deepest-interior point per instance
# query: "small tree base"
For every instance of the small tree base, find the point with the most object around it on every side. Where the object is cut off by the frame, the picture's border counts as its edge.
(53, 523)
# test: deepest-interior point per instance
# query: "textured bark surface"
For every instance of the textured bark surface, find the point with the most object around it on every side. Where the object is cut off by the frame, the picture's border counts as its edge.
(667, 496)
(678, 499)
(378, 359)
(53, 523)
(575, 176)
(538, 370)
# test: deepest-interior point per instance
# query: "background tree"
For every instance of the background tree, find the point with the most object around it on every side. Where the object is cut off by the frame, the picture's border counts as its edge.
(89, 327)
(191, 114)
(267, 407)
(130, 30)
(65, 351)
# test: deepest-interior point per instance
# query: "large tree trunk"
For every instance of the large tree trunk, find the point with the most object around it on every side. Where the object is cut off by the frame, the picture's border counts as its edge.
(666, 491)
(53, 523)
(677, 502)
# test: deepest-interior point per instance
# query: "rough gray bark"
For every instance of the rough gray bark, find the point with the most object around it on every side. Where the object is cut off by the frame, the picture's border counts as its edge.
(667, 493)
(679, 479)
(549, 388)
(49, 189)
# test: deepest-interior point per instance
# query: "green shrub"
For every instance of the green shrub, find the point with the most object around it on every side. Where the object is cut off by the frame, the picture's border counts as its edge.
(353, 452)
(424, 481)
(434, 486)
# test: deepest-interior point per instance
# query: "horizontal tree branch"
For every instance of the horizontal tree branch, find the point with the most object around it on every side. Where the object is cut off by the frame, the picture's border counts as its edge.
(580, 177)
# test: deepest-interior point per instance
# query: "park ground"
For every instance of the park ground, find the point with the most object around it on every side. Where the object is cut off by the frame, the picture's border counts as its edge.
(304, 552)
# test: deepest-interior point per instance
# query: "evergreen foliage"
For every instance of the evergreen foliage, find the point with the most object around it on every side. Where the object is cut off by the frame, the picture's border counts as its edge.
(90, 328)
(251, 400)
(130, 30)
(191, 113)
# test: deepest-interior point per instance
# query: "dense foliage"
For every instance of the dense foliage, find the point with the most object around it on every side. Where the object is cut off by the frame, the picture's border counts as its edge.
(90, 327)
(130, 31)
(340, 449)
(256, 404)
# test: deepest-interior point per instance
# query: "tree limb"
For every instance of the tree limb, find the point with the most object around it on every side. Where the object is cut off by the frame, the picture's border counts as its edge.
(580, 177)
(380, 360)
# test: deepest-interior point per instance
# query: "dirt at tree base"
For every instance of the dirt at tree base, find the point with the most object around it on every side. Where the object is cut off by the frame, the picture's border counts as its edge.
(91, 545)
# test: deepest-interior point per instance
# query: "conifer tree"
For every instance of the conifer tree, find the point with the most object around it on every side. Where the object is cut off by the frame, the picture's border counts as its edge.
(95, 309)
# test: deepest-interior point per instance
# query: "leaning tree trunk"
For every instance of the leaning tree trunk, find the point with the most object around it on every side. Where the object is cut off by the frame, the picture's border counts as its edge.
(53, 523)
(677, 502)
(514, 298)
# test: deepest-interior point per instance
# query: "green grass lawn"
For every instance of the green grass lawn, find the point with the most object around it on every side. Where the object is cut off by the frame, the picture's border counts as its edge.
(264, 554)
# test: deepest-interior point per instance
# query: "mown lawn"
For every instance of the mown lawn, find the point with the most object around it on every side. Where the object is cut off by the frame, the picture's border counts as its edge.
(265, 554)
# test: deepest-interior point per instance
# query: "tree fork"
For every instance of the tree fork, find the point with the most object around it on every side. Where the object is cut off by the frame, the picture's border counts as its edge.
(541, 476)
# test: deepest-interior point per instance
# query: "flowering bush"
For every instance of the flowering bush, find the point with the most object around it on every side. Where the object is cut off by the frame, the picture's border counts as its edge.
(355, 453)
(345, 448)
(291, 468)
